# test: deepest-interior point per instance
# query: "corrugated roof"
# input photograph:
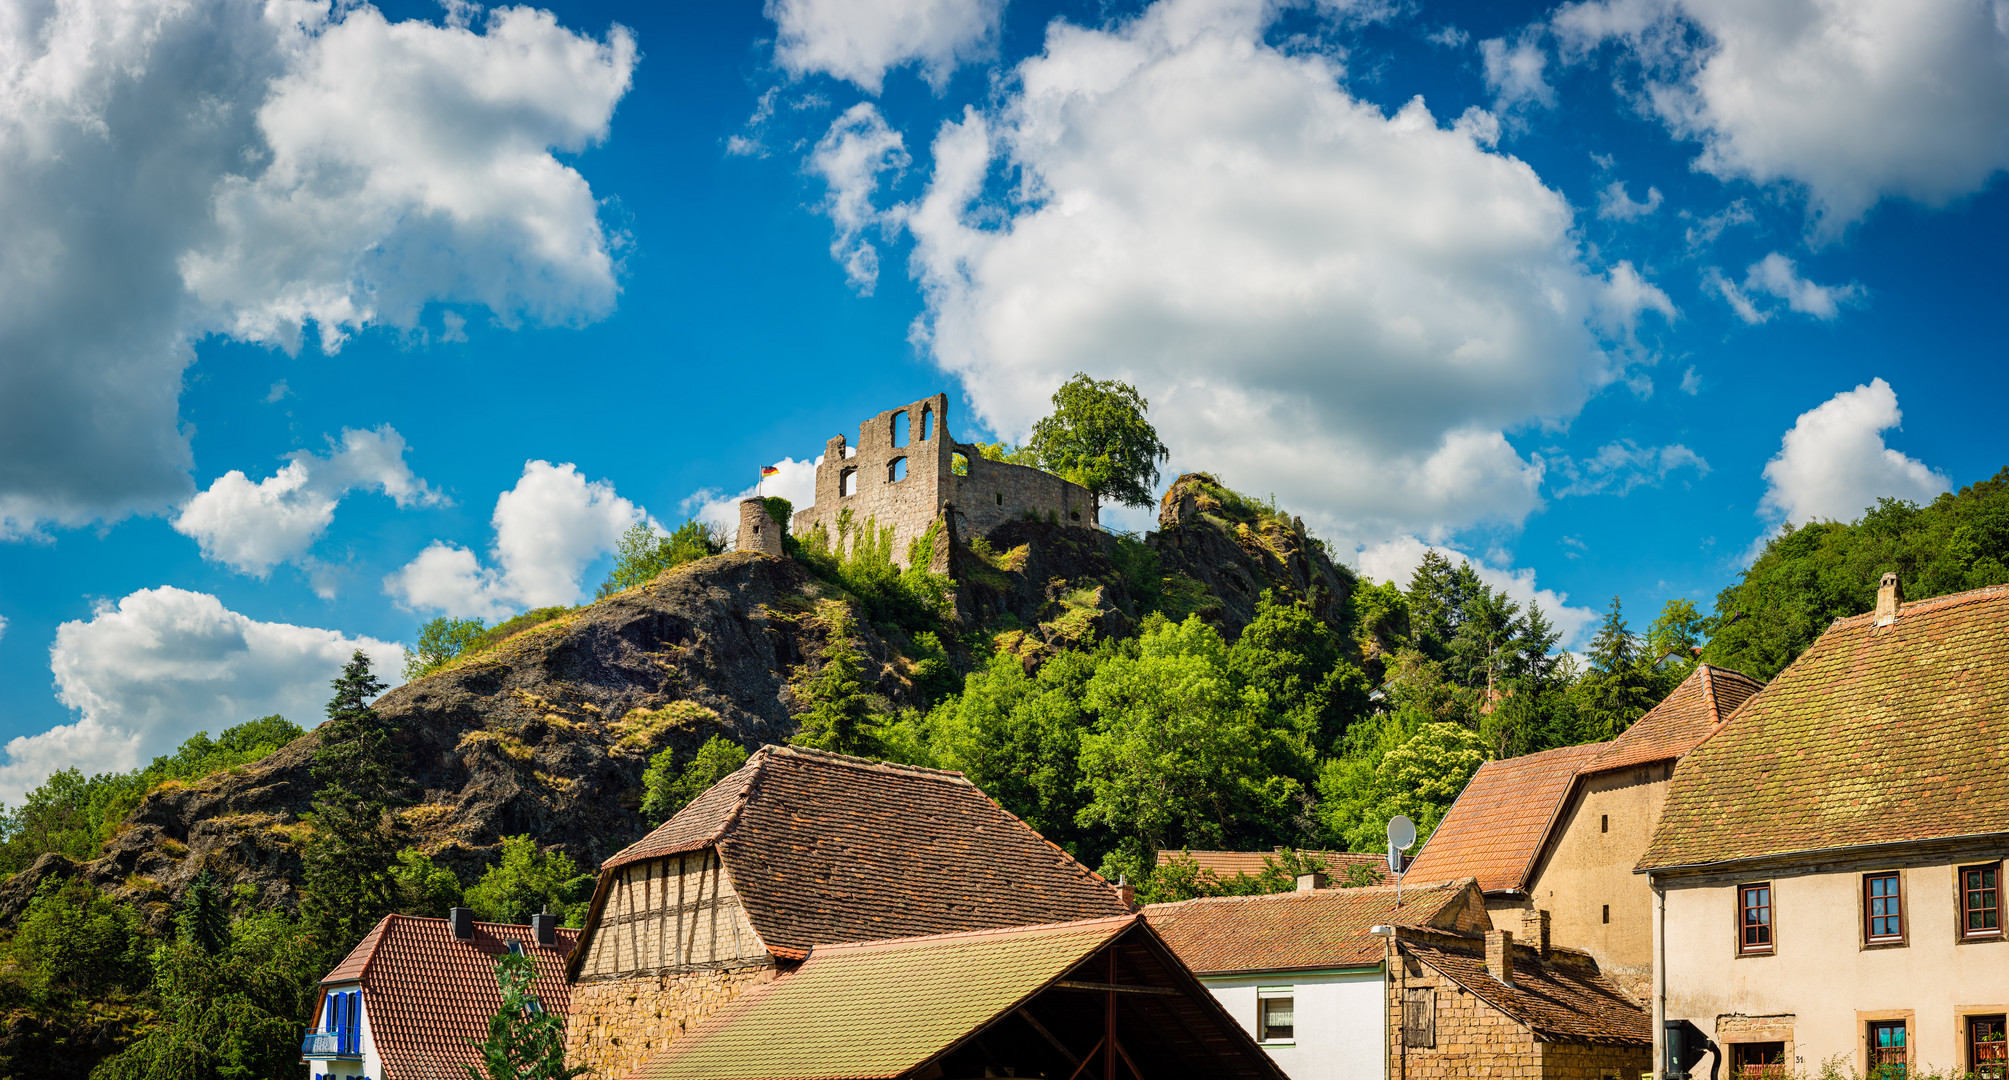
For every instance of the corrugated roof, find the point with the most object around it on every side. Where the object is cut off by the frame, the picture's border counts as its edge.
(1874, 735)
(1562, 999)
(1686, 716)
(1298, 931)
(827, 848)
(879, 1009)
(1227, 864)
(1497, 826)
(426, 992)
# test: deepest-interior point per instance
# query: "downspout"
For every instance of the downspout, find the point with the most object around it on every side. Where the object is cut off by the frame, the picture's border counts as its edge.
(1659, 976)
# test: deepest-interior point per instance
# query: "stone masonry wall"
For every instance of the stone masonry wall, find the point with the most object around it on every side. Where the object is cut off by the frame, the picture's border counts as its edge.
(616, 1024)
(1578, 1061)
(1473, 1038)
(991, 494)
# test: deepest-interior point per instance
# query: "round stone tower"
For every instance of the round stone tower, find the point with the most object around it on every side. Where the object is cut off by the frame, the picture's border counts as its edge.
(757, 531)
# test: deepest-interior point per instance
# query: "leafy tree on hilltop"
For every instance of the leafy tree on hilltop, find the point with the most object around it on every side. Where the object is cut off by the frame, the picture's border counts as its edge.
(1097, 437)
(642, 553)
(440, 641)
(526, 881)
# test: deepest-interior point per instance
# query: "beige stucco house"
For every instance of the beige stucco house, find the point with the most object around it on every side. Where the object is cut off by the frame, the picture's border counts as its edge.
(1553, 837)
(1827, 867)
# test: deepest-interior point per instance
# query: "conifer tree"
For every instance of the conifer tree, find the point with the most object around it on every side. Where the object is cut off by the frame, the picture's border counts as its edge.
(205, 915)
(349, 882)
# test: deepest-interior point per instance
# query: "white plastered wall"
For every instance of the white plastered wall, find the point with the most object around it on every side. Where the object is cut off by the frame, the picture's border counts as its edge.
(1340, 1020)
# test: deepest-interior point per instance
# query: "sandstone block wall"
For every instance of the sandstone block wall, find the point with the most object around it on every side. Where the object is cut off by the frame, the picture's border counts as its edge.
(861, 480)
(1475, 1039)
(1472, 1037)
(757, 531)
(616, 1024)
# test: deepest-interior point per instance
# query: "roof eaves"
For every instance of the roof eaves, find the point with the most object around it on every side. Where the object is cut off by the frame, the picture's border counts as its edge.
(1826, 853)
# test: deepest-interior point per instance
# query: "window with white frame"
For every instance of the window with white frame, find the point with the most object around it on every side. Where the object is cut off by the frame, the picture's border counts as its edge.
(1276, 1014)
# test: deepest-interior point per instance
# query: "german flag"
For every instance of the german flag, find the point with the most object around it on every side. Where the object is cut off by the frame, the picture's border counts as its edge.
(767, 471)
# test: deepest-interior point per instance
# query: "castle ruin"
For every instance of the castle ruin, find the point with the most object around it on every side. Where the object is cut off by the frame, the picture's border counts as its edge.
(908, 472)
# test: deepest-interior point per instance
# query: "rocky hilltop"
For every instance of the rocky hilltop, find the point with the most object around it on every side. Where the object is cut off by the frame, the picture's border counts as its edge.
(549, 733)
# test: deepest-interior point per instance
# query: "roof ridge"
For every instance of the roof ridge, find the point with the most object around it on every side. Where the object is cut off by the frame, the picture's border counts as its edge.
(1344, 892)
(989, 931)
(776, 750)
(1929, 604)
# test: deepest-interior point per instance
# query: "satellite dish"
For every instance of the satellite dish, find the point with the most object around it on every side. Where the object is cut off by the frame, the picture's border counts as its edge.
(1401, 832)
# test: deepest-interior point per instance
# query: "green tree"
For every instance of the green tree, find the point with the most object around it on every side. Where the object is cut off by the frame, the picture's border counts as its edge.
(74, 942)
(841, 714)
(526, 881)
(205, 915)
(525, 1042)
(1018, 737)
(424, 885)
(349, 884)
(668, 788)
(642, 552)
(1620, 685)
(229, 1014)
(440, 642)
(1097, 436)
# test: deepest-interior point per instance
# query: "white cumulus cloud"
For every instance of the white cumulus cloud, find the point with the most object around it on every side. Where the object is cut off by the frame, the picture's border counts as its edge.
(161, 664)
(176, 169)
(1514, 72)
(1288, 274)
(1779, 277)
(1834, 464)
(1619, 467)
(1613, 204)
(1395, 560)
(1851, 100)
(850, 156)
(252, 527)
(548, 529)
(861, 40)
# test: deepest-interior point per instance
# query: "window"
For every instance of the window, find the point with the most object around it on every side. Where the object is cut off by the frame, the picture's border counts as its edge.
(1762, 1059)
(1604, 823)
(1000, 497)
(1887, 1055)
(1607, 913)
(1419, 1018)
(1981, 901)
(1754, 919)
(897, 471)
(847, 482)
(900, 428)
(959, 465)
(1883, 908)
(1987, 1053)
(344, 1020)
(927, 424)
(1276, 1019)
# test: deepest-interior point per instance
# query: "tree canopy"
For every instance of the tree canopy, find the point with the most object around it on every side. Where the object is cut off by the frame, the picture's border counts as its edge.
(1097, 436)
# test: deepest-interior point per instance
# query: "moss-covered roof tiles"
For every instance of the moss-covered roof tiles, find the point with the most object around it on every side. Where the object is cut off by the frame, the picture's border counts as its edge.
(1307, 930)
(1875, 735)
(1686, 716)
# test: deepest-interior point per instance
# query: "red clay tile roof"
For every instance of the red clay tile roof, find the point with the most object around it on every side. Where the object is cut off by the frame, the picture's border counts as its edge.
(825, 848)
(1227, 864)
(1497, 826)
(1874, 735)
(1562, 999)
(426, 992)
(885, 1009)
(1689, 713)
(1297, 931)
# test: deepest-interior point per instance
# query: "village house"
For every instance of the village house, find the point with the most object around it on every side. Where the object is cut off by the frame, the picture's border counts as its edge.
(797, 851)
(1098, 998)
(907, 473)
(1828, 865)
(410, 1000)
(1553, 837)
(1309, 975)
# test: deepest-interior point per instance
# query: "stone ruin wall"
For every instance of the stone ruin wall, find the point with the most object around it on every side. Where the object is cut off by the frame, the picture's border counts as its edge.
(617, 1024)
(992, 494)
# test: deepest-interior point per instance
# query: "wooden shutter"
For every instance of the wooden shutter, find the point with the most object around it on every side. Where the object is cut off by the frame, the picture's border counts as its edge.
(1419, 1018)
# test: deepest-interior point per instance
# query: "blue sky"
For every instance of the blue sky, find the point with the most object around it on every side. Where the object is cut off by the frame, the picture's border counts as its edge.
(456, 294)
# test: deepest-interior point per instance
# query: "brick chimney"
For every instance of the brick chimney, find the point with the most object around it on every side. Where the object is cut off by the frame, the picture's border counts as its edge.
(1126, 892)
(1500, 955)
(1314, 880)
(1535, 929)
(1888, 597)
